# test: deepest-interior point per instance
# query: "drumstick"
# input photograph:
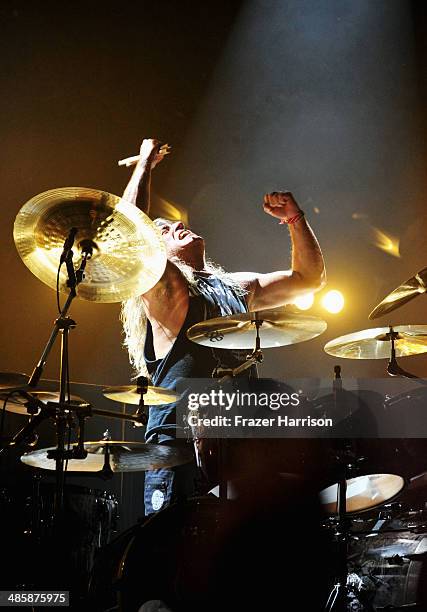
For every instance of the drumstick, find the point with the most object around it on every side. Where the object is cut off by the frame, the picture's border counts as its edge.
(131, 161)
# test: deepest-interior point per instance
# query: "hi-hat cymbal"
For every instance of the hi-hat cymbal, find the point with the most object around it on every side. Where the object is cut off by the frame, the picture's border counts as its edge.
(18, 403)
(123, 457)
(278, 328)
(404, 293)
(12, 380)
(155, 396)
(129, 255)
(375, 343)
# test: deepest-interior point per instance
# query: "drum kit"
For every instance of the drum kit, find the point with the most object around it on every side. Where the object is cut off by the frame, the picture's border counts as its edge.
(94, 246)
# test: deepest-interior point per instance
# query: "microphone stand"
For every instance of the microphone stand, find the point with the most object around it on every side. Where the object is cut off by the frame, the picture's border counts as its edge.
(60, 411)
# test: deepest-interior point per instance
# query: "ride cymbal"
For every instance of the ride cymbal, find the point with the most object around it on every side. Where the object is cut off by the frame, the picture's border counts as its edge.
(129, 255)
(404, 293)
(122, 457)
(155, 396)
(375, 343)
(277, 328)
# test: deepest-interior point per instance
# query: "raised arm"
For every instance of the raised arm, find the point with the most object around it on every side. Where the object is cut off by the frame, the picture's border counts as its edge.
(307, 273)
(138, 189)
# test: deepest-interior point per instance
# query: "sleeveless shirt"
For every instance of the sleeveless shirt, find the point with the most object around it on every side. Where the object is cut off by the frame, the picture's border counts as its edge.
(209, 298)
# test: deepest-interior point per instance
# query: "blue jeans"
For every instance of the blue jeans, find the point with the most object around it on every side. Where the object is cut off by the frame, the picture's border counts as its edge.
(166, 486)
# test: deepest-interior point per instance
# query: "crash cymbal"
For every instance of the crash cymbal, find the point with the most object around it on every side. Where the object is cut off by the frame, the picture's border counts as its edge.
(129, 255)
(375, 343)
(402, 294)
(123, 457)
(155, 396)
(12, 380)
(278, 328)
(18, 403)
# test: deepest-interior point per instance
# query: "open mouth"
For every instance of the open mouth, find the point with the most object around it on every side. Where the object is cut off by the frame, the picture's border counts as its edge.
(182, 234)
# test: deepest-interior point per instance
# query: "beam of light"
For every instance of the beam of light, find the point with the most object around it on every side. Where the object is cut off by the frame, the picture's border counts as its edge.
(167, 210)
(333, 301)
(386, 242)
(378, 237)
(304, 302)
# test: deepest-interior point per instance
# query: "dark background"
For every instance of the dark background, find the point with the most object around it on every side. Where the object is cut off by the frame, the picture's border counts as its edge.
(326, 99)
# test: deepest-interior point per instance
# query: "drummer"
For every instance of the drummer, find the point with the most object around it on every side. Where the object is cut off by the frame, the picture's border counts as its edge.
(193, 289)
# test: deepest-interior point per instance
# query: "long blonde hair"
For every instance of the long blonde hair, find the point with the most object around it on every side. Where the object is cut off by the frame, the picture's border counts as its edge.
(134, 319)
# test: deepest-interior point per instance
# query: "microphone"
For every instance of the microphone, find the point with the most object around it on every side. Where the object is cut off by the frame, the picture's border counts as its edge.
(68, 244)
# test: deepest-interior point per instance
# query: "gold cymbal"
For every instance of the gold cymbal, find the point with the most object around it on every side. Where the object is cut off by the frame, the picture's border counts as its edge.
(123, 457)
(17, 403)
(155, 396)
(278, 328)
(375, 343)
(404, 293)
(129, 255)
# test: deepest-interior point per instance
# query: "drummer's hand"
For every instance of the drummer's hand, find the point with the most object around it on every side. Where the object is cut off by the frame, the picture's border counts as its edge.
(281, 204)
(152, 149)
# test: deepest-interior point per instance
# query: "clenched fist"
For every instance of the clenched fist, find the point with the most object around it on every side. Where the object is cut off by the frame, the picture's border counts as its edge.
(281, 204)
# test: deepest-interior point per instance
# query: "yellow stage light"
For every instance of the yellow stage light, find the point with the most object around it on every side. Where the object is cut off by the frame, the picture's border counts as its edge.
(333, 301)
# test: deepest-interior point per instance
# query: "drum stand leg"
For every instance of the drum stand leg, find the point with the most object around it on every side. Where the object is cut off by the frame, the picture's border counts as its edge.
(337, 600)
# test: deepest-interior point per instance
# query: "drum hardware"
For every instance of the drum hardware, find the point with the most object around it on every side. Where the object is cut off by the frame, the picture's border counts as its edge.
(407, 291)
(23, 402)
(382, 343)
(120, 254)
(338, 596)
(269, 328)
(250, 330)
(114, 456)
(351, 494)
(128, 253)
(141, 389)
(153, 396)
(374, 343)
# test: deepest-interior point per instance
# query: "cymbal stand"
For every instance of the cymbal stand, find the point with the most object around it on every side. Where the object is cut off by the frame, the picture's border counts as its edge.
(252, 359)
(256, 356)
(141, 413)
(337, 600)
(393, 368)
(61, 411)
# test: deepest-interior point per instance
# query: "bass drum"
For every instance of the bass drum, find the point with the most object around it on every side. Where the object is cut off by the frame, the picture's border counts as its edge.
(27, 511)
(209, 554)
(388, 571)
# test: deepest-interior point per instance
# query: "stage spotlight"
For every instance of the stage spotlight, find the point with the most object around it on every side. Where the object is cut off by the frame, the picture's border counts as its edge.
(333, 301)
(304, 302)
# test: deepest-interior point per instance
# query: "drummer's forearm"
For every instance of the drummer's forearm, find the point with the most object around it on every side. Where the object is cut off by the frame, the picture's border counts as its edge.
(138, 189)
(307, 258)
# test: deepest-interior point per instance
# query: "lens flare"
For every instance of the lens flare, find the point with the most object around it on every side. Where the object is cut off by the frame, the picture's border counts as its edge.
(333, 301)
(386, 242)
